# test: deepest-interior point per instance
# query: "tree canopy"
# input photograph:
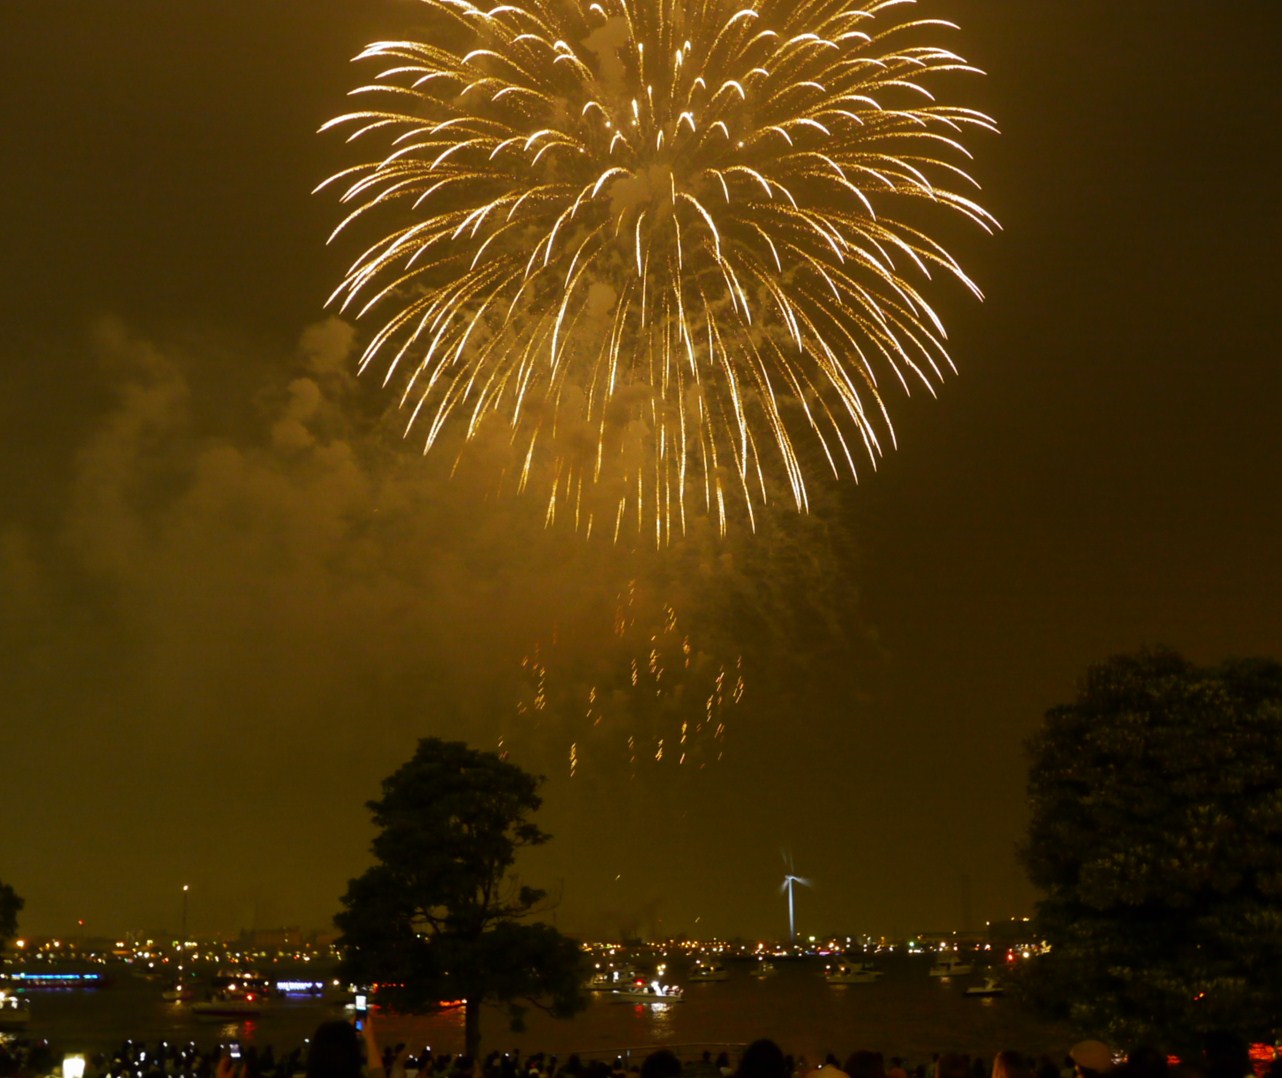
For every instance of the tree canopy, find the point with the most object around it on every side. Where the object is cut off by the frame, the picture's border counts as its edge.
(1156, 837)
(439, 916)
(10, 906)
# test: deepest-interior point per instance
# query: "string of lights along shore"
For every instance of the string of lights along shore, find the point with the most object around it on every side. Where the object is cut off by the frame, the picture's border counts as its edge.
(674, 252)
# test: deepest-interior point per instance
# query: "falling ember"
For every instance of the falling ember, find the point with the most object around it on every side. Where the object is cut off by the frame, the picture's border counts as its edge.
(666, 246)
(678, 694)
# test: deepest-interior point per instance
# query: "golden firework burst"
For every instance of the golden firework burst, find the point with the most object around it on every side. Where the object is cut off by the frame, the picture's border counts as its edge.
(663, 243)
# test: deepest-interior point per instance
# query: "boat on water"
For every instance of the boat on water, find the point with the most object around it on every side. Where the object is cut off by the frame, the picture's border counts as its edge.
(990, 987)
(241, 981)
(654, 992)
(55, 978)
(608, 978)
(851, 973)
(947, 965)
(179, 993)
(229, 1003)
(765, 969)
(301, 988)
(708, 971)
(15, 1011)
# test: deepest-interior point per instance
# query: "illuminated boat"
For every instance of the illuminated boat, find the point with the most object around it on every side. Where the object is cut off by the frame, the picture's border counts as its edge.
(654, 992)
(764, 969)
(851, 973)
(179, 993)
(15, 1011)
(708, 971)
(950, 966)
(296, 987)
(609, 978)
(229, 1003)
(990, 987)
(241, 982)
(56, 979)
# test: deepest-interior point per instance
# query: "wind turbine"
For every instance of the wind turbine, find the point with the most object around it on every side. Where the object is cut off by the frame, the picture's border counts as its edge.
(788, 880)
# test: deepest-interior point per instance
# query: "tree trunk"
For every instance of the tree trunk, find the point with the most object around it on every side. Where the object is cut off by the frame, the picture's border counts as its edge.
(472, 1029)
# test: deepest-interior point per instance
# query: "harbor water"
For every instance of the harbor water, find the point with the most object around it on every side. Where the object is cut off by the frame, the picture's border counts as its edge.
(907, 1013)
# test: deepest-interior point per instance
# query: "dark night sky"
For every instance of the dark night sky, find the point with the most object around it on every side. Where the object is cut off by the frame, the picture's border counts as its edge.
(228, 606)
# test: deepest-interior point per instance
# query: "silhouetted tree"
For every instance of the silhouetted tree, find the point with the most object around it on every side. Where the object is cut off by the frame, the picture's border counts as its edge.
(1156, 835)
(10, 906)
(439, 917)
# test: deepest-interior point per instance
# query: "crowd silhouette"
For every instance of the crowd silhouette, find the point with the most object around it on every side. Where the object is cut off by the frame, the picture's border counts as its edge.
(339, 1050)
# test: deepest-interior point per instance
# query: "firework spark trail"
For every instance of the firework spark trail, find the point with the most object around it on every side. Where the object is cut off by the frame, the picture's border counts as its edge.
(654, 694)
(662, 241)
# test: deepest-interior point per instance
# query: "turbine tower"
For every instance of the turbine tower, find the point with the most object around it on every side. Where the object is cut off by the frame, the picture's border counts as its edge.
(789, 880)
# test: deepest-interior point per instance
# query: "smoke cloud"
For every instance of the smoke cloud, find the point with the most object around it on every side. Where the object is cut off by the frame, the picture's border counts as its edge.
(250, 603)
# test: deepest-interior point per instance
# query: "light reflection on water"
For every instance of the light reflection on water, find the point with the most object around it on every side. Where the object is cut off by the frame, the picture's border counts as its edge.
(906, 1014)
(662, 1024)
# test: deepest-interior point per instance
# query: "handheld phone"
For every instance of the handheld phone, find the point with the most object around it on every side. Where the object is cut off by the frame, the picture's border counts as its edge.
(362, 1002)
(234, 1050)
